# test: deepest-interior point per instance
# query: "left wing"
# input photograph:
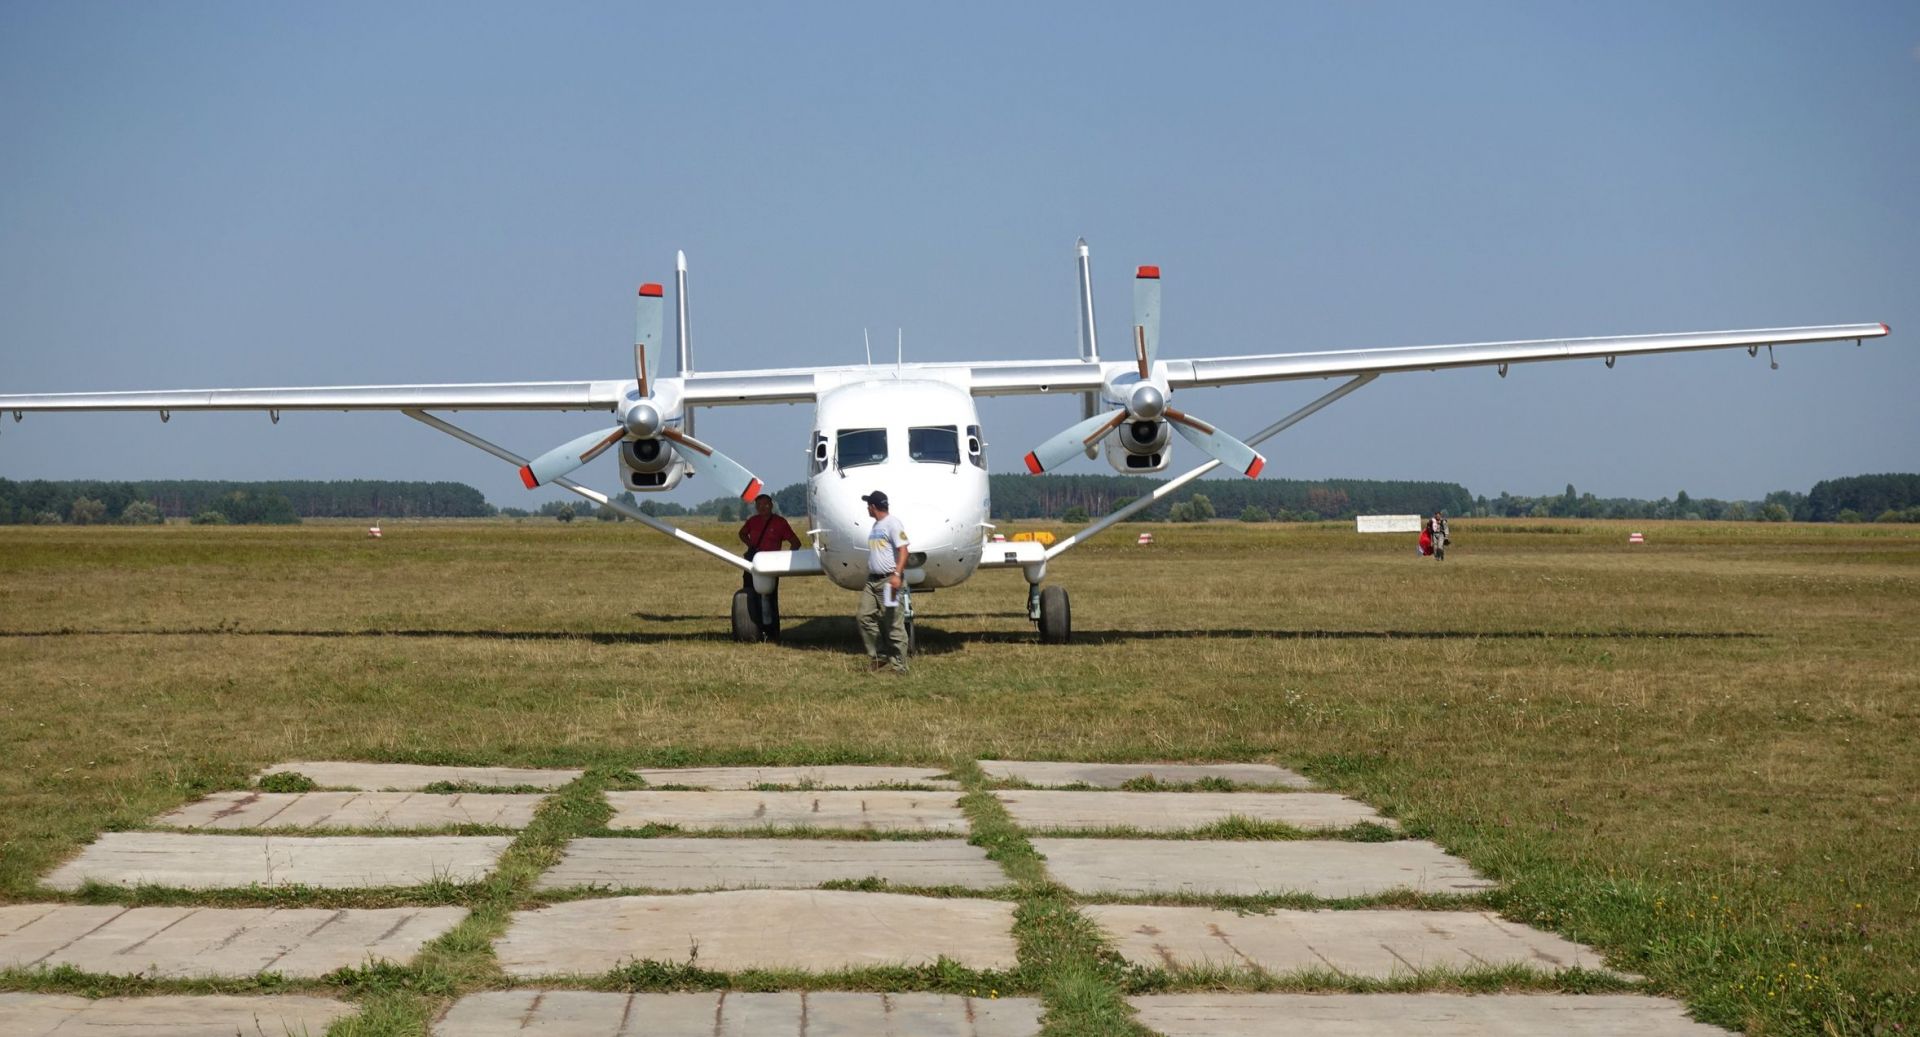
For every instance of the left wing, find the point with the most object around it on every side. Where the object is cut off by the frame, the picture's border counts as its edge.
(1037, 377)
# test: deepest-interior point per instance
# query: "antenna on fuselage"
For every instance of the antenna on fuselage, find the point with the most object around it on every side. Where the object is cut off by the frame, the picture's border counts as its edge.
(868, 339)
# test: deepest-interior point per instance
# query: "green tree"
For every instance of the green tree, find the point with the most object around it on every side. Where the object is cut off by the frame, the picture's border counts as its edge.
(1076, 514)
(1202, 507)
(1181, 512)
(86, 511)
(141, 513)
(1253, 513)
(1774, 511)
(210, 517)
(564, 513)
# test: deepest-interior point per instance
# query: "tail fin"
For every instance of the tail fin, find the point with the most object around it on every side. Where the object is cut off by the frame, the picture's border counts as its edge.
(1089, 339)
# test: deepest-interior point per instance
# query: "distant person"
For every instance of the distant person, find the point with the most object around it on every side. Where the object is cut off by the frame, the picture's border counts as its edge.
(1426, 537)
(1438, 525)
(765, 531)
(883, 626)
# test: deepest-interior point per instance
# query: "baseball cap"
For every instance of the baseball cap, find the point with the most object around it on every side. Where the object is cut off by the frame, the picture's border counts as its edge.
(877, 498)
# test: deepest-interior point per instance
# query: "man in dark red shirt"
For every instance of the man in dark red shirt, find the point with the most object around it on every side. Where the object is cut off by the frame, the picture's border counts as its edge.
(765, 531)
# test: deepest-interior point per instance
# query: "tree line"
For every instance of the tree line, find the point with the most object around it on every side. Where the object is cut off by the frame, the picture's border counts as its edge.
(1073, 498)
(84, 502)
(1856, 498)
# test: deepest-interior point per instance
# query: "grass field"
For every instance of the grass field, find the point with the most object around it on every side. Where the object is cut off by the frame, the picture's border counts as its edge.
(1698, 755)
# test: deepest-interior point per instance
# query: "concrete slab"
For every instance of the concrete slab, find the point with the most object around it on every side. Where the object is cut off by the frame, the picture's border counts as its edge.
(330, 862)
(816, 930)
(39, 1015)
(195, 942)
(855, 811)
(1319, 867)
(679, 863)
(1374, 944)
(1182, 811)
(719, 778)
(1113, 775)
(566, 1013)
(1432, 1015)
(403, 777)
(246, 809)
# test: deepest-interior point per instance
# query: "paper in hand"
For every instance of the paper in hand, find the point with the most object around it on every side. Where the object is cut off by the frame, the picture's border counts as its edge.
(889, 597)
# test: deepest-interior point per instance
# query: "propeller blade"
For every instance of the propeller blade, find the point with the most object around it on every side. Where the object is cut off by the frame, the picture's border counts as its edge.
(1061, 448)
(1217, 444)
(1146, 317)
(646, 334)
(563, 459)
(723, 470)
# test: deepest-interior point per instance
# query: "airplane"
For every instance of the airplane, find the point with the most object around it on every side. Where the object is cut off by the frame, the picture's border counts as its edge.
(911, 430)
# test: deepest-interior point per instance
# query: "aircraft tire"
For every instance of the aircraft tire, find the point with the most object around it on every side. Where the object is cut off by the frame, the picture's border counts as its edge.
(1056, 616)
(745, 630)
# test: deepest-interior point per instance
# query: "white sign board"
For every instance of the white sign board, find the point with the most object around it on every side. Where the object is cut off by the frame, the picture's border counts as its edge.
(1387, 524)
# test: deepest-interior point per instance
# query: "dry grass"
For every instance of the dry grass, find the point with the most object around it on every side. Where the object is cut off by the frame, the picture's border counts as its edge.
(1697, 754)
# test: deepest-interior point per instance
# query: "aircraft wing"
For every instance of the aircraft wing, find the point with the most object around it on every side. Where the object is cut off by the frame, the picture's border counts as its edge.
(488, 396)
(1035, 377)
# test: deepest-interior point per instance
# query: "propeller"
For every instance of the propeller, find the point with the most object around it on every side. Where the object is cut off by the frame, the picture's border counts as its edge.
(647, 417)
(1146, 401)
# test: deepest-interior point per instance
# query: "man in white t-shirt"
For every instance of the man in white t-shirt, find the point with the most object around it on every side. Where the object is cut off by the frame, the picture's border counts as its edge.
(882, 626)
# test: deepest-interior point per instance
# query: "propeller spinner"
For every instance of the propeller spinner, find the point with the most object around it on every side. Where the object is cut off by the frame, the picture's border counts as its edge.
(1146, 401)
(649, 416)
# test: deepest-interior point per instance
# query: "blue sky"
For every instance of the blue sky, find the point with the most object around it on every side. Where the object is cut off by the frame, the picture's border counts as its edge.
(226, 194)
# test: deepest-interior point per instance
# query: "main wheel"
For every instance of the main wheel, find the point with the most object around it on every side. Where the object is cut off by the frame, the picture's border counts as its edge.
(1056, 616)
(744, 628)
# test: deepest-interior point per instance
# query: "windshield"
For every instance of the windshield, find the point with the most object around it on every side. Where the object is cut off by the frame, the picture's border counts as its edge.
(935, 444)
(858, 446)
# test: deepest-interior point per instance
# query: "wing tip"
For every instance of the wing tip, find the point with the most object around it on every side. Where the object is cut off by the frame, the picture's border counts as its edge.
(527, 476)
(1033, 463)
(752, 491)
(1148, 273)
(652, 291)
(1253, 470)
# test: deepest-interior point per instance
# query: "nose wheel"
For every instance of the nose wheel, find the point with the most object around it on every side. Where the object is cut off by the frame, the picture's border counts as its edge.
(1054, 614)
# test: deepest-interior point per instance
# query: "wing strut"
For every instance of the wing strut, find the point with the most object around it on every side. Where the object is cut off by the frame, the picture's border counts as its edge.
(595, 496)
(1173, 484)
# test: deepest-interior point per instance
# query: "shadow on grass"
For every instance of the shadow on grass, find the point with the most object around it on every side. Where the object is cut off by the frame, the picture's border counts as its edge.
(841, 633)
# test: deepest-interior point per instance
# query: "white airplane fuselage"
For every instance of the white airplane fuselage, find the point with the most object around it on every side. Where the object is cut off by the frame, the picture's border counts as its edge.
(919, 442)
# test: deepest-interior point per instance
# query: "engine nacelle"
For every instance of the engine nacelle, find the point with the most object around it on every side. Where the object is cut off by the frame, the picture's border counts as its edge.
(647, 465)
(1140, 447)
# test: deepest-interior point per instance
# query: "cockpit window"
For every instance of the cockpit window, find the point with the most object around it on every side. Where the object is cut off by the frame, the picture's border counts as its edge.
(976, 447)
(858, 446)
(934, 444)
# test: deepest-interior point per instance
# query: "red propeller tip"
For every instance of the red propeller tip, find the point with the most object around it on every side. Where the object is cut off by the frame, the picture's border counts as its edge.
(1884, 330)
(1033, 464)
(752, 491)
(526, 476)
(652, 289)
(1149, 272)
(1253, 470)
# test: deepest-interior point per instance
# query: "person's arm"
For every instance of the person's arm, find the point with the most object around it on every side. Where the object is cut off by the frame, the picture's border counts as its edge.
(743, 532)
(899, 563)
(792, 537)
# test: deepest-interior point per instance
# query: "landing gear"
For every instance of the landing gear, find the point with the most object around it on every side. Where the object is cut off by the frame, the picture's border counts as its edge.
(1056, 616)
(745, 630)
